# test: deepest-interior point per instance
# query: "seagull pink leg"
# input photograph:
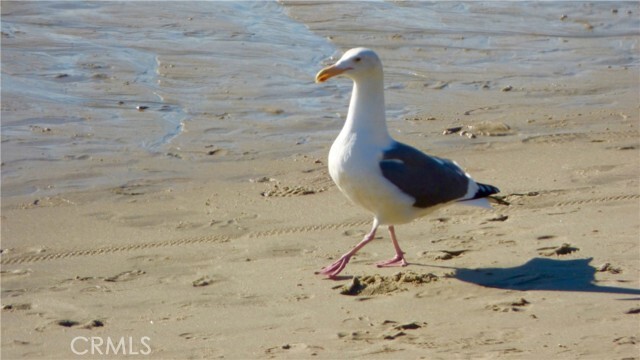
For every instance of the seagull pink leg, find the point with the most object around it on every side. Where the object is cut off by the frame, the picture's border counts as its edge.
(334, 269)
(397, 260)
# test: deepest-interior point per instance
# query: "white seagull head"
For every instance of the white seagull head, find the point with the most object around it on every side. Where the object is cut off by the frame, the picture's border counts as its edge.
(354, 64)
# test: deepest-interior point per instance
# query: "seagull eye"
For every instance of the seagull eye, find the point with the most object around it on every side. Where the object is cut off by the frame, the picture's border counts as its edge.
(357, 59)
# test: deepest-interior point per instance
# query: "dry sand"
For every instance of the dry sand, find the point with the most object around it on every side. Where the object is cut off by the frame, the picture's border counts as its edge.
(221, 264)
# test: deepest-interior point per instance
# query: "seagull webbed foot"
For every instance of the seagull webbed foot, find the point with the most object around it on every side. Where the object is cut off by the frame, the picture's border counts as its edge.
(335, 268)
(397, 260)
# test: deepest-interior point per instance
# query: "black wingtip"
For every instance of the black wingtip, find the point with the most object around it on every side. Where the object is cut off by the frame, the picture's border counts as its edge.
(485, 190)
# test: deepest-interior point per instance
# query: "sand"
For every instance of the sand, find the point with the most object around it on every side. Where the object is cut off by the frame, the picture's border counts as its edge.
(214, 254)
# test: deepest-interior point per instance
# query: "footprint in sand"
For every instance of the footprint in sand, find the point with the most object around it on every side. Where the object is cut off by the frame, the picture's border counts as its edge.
(511, 306)
(626, 340)
(563, 249)
(449, 254)
(89, 325)
(67, 323)
(196, 336)
(289, 191)
(93, 324)
(16, 307)
(205, 281)
(607, 267)
(387, 329)
(16, 272)
(300, 350)
(126, 276)
(401, 329)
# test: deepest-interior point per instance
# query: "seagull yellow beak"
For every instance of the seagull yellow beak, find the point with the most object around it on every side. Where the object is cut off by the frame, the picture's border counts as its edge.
(329, 72)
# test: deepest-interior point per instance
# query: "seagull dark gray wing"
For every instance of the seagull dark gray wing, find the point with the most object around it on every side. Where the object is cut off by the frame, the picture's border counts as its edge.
(429, 180)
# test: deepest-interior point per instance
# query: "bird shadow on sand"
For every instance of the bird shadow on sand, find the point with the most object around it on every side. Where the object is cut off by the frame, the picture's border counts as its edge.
(542, 274)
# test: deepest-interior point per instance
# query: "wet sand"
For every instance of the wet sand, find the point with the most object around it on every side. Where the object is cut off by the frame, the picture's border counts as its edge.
(204, 244)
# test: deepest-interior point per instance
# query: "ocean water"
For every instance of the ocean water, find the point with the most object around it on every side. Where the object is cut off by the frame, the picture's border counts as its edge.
(92, 90)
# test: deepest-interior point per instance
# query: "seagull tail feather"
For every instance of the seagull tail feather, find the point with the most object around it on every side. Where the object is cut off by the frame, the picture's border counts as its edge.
(485, 190)
(480, 197)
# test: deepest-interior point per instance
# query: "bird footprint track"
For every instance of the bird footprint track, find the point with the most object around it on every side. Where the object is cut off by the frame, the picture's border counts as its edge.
(549, 199)
(533, 199)
(288, 191)
(112, 249)
(591, 136)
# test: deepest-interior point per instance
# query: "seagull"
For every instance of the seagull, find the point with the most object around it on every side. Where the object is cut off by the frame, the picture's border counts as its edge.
(393, 181)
